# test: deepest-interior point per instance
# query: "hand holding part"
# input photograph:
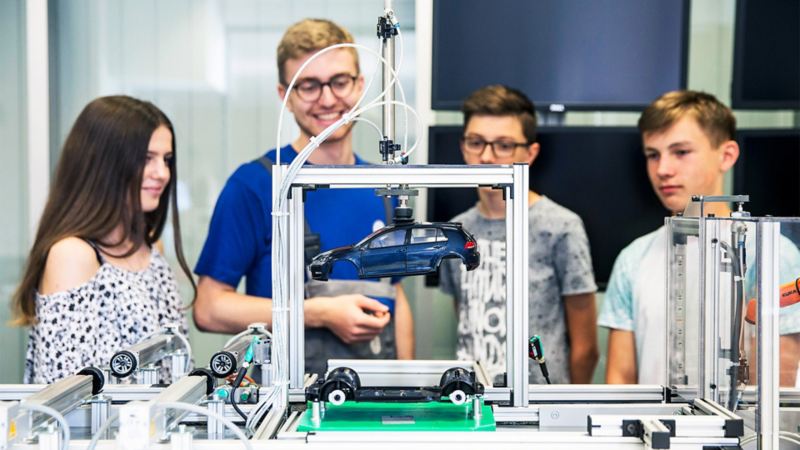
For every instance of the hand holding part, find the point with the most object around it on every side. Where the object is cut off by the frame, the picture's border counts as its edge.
(353, 317)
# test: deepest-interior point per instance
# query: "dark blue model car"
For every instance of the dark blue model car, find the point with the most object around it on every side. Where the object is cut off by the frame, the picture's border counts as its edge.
(402, 249)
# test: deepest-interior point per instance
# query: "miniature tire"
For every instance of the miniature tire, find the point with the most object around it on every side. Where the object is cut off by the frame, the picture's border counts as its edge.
(98, 379)
(222, 364)
(209, 375)
(341, 384)
(456, 383)
(123, 363)
(337, 397)
(458, 397)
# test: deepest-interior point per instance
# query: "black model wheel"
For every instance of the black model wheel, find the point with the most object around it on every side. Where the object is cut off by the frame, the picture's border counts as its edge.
(223, 364)
(122, 364)
(98, 379)
(457, 383)
(341, 384)
(209, 376)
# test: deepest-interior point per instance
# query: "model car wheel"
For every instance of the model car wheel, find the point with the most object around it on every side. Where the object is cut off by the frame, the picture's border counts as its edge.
(456, 383)
(123, 364)
(341, 384)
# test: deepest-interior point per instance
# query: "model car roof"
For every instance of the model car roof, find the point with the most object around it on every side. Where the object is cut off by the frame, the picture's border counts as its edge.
(424, 225)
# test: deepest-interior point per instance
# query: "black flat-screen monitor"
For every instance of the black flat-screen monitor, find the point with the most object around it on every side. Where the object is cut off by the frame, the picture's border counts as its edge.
(597, 172)
(768, 170)
(576, 54)
(766, 57)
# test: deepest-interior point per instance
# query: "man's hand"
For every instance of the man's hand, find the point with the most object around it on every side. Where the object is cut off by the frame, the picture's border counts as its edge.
(353, 318)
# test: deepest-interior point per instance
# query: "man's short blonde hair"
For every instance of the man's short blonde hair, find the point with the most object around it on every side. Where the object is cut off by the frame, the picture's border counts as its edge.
(308, 36)
(715, 119)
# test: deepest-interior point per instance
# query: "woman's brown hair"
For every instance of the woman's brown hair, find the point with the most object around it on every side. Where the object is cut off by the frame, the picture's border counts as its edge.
(96, 188)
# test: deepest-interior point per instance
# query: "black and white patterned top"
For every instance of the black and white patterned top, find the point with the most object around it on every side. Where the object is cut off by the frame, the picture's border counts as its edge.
(84, 326)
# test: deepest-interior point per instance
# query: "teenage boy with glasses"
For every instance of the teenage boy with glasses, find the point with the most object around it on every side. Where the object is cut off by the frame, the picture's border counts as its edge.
(343, 319)
(500, 128)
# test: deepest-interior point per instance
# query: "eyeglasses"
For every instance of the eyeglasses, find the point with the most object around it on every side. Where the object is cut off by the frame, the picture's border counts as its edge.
(501, 149)
(310, 89)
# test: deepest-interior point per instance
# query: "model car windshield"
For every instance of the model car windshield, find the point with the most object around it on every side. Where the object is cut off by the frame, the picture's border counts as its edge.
(369, 236)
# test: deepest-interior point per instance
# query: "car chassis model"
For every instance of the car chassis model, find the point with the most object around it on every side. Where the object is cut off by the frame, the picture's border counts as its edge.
(402, 249)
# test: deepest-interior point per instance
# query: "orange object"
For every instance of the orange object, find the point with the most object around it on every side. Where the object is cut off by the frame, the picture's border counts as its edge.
(790, 294)
(232, 377)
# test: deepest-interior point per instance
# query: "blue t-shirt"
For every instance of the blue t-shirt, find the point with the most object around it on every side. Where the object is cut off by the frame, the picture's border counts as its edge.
(239, 242)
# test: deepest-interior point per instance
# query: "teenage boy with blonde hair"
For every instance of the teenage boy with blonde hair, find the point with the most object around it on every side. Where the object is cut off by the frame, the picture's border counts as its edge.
(688, 140)
(500, 128)
(343, 319)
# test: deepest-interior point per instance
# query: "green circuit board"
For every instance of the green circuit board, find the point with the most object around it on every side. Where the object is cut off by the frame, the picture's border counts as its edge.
(397, 416)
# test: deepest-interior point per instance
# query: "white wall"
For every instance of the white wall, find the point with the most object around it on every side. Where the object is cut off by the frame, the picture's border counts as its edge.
(13, 179)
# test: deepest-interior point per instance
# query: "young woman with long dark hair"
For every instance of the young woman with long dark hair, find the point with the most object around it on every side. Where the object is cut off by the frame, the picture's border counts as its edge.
(94, 281)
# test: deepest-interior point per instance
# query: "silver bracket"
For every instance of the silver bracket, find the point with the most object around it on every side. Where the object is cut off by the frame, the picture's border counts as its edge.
(696, 207)
(181, 439)
(216, 429)
(147, 375)
(101, 409)
(49, 439)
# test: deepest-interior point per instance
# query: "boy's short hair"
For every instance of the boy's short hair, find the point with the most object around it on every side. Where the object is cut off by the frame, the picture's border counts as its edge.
(499, 100)
(307, 36)
(714, 118)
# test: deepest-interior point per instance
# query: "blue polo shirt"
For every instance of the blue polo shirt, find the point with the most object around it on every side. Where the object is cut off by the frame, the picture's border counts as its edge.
(239, 242)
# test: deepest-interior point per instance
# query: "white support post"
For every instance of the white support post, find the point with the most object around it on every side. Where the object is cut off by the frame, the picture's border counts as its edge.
(387, 51)
(767, 260)
(517, 268)
(38, 101)
(512, 338)
(708, 375)
(280, 316)
(296, 295)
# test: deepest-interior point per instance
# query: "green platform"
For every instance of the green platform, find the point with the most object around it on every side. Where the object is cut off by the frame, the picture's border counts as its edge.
(377, 416)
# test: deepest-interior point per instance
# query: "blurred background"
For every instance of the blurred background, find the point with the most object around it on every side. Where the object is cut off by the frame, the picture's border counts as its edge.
(590, 66)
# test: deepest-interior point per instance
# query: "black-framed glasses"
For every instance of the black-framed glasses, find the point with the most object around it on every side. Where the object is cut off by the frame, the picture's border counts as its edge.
(501, 149)
(310, 89)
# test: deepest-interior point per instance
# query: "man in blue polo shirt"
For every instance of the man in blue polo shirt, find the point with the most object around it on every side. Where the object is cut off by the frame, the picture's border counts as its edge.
(343, 319)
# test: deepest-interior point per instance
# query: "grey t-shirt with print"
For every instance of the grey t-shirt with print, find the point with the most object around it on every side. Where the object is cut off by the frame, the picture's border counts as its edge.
(559, 264)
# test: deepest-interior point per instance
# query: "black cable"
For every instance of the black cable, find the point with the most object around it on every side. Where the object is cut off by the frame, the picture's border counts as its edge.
(736, 324)
(236, 383)
(545, 372)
